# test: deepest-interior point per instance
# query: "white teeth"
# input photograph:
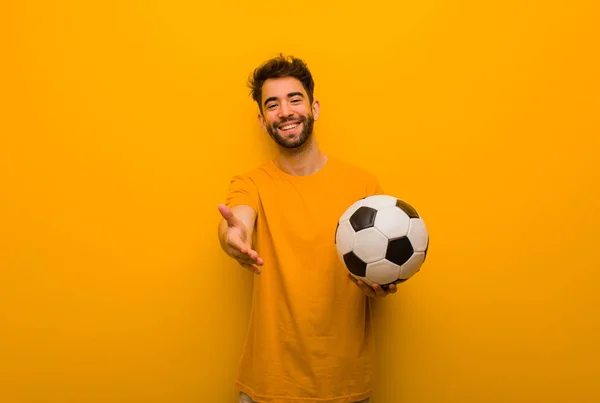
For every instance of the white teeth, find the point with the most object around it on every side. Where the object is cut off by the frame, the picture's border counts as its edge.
(289, 127)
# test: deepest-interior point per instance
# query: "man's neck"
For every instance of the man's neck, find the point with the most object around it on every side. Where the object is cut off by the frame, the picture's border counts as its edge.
(305, 160)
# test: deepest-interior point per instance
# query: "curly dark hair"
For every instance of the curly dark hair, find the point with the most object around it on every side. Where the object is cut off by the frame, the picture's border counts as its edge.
(280, 66)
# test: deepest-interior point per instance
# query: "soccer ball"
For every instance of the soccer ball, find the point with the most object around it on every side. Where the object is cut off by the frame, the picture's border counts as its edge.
(381, 239)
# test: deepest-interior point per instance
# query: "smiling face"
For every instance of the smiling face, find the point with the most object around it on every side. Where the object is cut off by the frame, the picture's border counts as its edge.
(287, 114)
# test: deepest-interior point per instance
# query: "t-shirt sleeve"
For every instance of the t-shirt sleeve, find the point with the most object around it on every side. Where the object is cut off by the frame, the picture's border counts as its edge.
(242, 191)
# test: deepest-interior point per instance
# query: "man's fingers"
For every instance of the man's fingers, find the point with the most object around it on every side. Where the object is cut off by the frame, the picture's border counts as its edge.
(390, 289)
(380, 292)
(242, 253)
(227, 215)
(252, 267)
(374, 290)
(247, 260)
(367, 289)
(225, 211)
(363, 286)
(256, 258)
(236, 244)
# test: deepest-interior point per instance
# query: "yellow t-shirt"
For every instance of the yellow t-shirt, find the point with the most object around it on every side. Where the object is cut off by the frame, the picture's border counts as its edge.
(310, 336)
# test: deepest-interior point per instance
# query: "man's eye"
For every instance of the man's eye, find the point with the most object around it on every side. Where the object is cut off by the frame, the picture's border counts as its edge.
(295, 101)
(271, 106)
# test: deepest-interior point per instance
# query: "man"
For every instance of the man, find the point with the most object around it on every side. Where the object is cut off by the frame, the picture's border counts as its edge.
(310, 335)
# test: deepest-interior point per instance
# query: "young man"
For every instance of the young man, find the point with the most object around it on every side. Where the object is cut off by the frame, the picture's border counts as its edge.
(310, 335)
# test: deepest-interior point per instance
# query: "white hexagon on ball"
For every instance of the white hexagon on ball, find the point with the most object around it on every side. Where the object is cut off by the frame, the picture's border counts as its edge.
(370, 245)
(412, 265)
(344, 237)
(392, 222)
(379, 201)
(418, 235)
(382, 272)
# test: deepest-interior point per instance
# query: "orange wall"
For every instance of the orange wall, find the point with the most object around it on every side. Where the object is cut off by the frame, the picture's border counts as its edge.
(122, 122)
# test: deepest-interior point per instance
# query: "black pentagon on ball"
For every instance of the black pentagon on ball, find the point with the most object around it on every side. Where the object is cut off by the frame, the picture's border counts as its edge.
(355, 265)
(407, 208)
(363, 218)
(399, 250)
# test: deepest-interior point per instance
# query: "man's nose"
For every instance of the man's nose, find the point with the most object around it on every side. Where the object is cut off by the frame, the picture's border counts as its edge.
(285, 111)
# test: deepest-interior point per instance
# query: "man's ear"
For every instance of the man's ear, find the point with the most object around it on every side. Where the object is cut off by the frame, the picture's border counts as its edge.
(316, 108)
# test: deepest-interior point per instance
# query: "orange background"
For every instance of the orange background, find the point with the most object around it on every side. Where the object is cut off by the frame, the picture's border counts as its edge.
(122, 122)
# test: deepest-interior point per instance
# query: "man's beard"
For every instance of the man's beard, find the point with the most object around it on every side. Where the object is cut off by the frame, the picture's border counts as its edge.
(307, 129)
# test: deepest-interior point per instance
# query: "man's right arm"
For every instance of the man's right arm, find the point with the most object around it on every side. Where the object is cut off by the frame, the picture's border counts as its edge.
(235, 235)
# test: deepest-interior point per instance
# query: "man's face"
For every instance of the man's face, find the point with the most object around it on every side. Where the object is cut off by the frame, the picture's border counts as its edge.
(287, 115)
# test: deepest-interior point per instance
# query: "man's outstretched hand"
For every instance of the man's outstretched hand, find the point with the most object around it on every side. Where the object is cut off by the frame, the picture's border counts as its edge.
(375, 290)
(236, 242)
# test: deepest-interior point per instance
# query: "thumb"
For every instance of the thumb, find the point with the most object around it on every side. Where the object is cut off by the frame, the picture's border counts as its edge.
(228, 215)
